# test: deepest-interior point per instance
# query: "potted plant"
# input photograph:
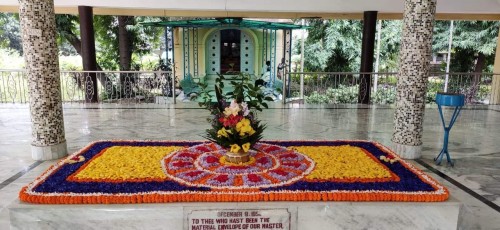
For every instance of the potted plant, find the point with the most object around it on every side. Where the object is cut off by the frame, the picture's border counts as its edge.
(235, 125)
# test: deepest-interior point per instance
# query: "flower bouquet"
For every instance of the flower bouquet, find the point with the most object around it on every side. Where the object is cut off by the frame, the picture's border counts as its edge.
(234, 122)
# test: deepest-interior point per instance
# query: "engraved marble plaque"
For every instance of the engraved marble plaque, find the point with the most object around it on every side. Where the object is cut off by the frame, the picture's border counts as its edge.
(229, 219)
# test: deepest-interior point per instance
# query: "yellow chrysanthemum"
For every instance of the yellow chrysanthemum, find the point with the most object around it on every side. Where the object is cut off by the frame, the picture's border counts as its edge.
(243, 123)
(223, 132)
(127, 162)
(235, 148)
(246, 130)
(243, 127)
(342, 162)
(246, 147)
(252, 132)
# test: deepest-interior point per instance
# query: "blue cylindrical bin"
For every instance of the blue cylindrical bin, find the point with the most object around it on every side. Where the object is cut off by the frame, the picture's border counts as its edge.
(450, 99)
(453, 100)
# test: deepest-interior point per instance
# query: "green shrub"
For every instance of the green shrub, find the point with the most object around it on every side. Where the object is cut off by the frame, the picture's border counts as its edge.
(384, 96)
(343, 94)
(316, 98)
(430, 97)
(484, 91)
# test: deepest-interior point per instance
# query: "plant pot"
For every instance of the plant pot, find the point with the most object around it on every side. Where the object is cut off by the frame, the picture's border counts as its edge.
(237, 158)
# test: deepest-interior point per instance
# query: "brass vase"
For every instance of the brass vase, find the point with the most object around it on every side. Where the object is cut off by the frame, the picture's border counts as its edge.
(237, 158)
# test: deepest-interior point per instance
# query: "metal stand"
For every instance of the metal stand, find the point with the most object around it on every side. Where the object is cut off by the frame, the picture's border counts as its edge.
(454, 100)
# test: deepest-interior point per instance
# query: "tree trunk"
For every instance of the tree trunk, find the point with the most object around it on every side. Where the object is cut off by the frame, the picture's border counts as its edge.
(125, 53)
(125, 42)
(478, 69)
(77, 44)
(74, 41)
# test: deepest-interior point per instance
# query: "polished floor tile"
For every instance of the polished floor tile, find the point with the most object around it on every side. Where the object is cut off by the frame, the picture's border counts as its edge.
(474, 142)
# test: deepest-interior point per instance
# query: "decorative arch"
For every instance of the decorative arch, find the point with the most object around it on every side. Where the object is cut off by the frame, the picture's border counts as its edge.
(248, 53)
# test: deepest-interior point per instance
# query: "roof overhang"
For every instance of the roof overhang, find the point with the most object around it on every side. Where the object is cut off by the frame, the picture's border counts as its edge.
(348, 9)
(226, 22)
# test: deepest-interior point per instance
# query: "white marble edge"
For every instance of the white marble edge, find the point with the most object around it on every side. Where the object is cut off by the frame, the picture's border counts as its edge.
(301, 215)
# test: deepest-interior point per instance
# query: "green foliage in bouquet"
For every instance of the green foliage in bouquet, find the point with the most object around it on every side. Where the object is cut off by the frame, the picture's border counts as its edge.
(234, 122)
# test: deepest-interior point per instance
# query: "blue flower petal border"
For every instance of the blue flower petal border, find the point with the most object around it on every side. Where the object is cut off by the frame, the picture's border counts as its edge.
(52, 187)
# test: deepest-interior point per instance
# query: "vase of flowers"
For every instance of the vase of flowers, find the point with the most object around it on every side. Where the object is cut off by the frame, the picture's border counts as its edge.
(235, 125)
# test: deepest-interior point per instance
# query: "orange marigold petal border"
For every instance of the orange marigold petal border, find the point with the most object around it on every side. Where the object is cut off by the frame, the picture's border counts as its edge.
(55, 186)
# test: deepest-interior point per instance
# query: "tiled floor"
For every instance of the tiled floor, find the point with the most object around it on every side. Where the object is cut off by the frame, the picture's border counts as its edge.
(474, 141)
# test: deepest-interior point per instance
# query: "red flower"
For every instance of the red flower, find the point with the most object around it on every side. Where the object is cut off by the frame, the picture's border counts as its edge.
(280, 172)
(181, 164)
(230, 121)
(272, 148)
(193, 173)
(187, 154)
(211, 159)
(262, 161)
(254, 178)
(203, 148)
(221, 178)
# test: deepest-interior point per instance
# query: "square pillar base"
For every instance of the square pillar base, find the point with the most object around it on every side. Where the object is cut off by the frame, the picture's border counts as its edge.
(407, 151)
(52, 152)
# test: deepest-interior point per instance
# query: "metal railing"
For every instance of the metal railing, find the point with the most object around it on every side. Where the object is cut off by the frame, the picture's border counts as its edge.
(111, 86)
(13, 86)
(314, 87)
(342, 87)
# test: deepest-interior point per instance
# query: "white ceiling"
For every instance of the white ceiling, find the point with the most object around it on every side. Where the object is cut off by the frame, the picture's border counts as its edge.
(303, 6)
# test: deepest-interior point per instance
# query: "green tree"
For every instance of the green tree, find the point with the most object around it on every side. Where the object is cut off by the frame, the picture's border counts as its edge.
(390, 42)
(67, 31)
(343, 39)
(111, 31)
(122, 40)
(10, 33)
(315, 53)
(474, 43)
(335, 45)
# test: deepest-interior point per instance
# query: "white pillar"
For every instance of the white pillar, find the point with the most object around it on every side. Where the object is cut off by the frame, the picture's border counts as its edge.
(414, 67)
(38, 29)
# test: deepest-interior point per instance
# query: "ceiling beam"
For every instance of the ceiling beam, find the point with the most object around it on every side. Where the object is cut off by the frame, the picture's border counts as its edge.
(251, 14)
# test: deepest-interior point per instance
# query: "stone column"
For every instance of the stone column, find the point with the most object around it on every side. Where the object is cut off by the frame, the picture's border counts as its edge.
(414, 58)
(495, 85)
(38, 29)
